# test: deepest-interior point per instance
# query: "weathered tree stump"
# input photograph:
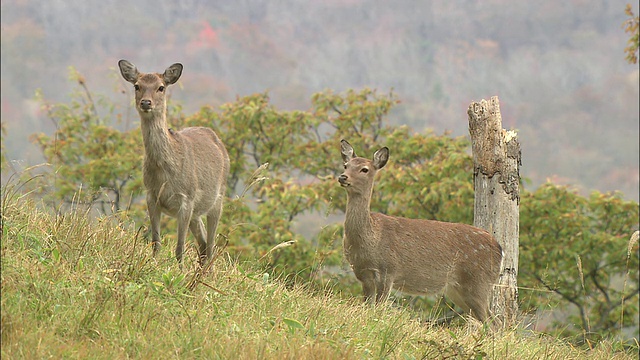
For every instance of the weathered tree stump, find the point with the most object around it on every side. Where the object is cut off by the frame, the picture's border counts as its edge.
(497, 160)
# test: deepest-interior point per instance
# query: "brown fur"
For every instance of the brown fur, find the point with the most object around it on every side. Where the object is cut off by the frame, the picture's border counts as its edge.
(185, 172)
(411, 255)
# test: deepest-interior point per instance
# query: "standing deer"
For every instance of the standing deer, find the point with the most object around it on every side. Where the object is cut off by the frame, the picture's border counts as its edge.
(185, 172)
(411, 255)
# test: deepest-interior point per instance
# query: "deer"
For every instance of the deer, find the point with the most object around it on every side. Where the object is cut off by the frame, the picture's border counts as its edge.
(414, 256)
(184, 172)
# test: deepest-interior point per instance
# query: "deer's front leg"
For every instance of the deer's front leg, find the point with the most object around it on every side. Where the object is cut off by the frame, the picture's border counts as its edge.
(384, 283)
(368, 280)
(184, 218)
(154, 218)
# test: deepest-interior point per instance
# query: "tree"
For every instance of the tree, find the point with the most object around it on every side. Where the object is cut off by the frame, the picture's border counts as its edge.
(575, 249)
(631, 27)
(93, 164)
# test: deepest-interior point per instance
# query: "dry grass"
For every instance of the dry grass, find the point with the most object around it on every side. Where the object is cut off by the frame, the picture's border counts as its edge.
(77, 288)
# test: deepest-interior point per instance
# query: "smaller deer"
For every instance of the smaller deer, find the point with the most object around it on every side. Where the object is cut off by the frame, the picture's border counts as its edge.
(185, 172)
(414, 256)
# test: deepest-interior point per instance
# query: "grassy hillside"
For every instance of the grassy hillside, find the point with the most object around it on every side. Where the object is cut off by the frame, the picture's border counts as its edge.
(77, 288)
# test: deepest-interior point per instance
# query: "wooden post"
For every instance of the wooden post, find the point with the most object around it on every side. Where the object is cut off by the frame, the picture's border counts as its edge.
(497, 160)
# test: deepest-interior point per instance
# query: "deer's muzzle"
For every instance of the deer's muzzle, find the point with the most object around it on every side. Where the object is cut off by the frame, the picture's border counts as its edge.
(145, 105)
(343, 180)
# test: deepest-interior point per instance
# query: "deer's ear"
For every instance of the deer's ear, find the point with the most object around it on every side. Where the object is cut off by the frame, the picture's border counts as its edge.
(381, 157)
(129, 71)
(172, 74)
(347, 151)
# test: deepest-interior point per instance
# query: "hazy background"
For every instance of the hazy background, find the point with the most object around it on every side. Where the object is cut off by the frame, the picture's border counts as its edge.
(557, 66)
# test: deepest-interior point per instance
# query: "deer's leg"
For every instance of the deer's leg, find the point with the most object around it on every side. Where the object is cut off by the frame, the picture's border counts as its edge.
(472, 300)
(197, 229)
(154, 218)
(184, 218)
(471, 295)
(213, 217)
(478, 301)
(453, 294)
(383, 285)
(369, 292)
(368, 280)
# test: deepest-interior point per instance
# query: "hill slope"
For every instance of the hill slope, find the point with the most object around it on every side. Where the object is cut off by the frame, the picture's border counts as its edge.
(79, 288)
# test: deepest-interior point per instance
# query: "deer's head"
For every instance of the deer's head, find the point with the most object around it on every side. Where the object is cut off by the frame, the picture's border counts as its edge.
(359, 173)
(150, 89)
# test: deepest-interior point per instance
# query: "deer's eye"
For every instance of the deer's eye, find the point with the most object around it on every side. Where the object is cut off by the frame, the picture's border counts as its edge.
(364, 170)
(136, 87)
(161, 89)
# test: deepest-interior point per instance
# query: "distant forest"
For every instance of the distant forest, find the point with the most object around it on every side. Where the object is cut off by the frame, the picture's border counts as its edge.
(558, 67)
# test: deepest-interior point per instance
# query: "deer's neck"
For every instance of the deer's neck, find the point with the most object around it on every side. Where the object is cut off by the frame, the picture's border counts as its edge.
(358, 225)
(157, 139)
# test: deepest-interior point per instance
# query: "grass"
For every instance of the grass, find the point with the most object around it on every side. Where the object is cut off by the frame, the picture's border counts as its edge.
(74, 287)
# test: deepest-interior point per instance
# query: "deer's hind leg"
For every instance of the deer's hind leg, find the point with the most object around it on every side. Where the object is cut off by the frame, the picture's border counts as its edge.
(477, 298)
(213, 217)
(471, 299)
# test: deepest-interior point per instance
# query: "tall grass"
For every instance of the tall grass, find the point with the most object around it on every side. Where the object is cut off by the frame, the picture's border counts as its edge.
(76, 287)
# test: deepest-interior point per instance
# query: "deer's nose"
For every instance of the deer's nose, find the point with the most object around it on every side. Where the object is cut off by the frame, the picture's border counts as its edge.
(342, 179)
(145, 104)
